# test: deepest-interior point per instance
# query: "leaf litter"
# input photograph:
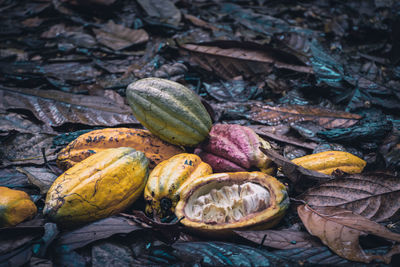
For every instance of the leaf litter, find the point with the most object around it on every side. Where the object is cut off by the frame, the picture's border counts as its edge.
(306, 76)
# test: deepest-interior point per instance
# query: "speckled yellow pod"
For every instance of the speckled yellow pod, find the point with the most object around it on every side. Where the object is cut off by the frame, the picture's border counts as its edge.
(155, 149)
(100, 186)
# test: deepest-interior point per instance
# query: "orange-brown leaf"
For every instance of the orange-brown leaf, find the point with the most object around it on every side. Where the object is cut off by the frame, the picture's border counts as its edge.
(273, 115)
(340, 230)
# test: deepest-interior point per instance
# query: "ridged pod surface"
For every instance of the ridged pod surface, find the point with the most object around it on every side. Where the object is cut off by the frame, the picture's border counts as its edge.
(169, 110)
(15, 207)
(328, 161)
(232, 147)
(218, 203)
(155, 149)
(164, 184)
(97, 187)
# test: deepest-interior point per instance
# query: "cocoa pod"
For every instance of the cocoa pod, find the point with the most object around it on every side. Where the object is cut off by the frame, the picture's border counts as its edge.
(155, 149)
(328, 161)
(232, 147)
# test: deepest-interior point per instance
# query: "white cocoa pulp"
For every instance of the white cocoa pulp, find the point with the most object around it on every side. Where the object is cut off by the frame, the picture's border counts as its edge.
(228, 204)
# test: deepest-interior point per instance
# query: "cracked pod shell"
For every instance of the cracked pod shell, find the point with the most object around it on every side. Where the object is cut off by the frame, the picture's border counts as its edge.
(169, 110)
(263, 219)
(163, 186)
(100, 186)
(234, 148)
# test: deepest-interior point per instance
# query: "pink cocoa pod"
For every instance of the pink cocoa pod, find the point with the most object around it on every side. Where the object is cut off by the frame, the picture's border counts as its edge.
(232, 147)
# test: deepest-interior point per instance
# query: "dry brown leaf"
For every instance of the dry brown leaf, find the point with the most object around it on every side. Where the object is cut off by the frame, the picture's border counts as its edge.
(374, 196)
(118, 37)
(340, 230)
(230, 59)
(24, 148)
(281, 239)
(273, 115)
(199, 22)
(263, 130)
(55, 108)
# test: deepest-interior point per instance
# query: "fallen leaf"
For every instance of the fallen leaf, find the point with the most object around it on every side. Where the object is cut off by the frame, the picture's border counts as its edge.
(199, 22)
(210, 254)
(323, 256)
(265, 131)
(163, 10)
(55, 108)
(41, 177)
(111, 254)
(118, 37)
(231, 91)
(281, 239)
(98, 230)
(23, 148)
(327, 118)
(16, 122)
(340, 230)
(374, 196)
(11, 178)
(230, 59)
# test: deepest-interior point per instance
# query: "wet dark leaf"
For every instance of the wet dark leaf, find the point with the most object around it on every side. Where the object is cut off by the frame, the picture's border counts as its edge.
(51, 232)
(163, 10)
(172, 72)
(14, 237)
(323, 256)
(368, 130)
(211, 254)
(38, 262)
(95, 231)
(70, 71)
(15, 122)
(294, 172)
(16, 243)
(231, 91)
(119, 37)
(267, 132)
(374, 196)
(230, 59)
(340, 230)
(281, 239)
(167, 232)
(55, 108)
(41, 177)
(308, 129)
(27, 148)
(13, 179)
(326, 68)
(199, 22)
(111, 254)
(327, 118)
(257, 22)
(66, 138)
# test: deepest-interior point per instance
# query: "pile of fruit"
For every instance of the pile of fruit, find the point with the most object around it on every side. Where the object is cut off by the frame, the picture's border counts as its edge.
(224, 185)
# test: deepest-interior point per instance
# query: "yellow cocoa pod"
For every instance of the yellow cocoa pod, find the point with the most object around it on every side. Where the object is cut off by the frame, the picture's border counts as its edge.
(164, 184)
(100, 186)
(328, 161)
(15, 207)
(155, 149)
(219, 203)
